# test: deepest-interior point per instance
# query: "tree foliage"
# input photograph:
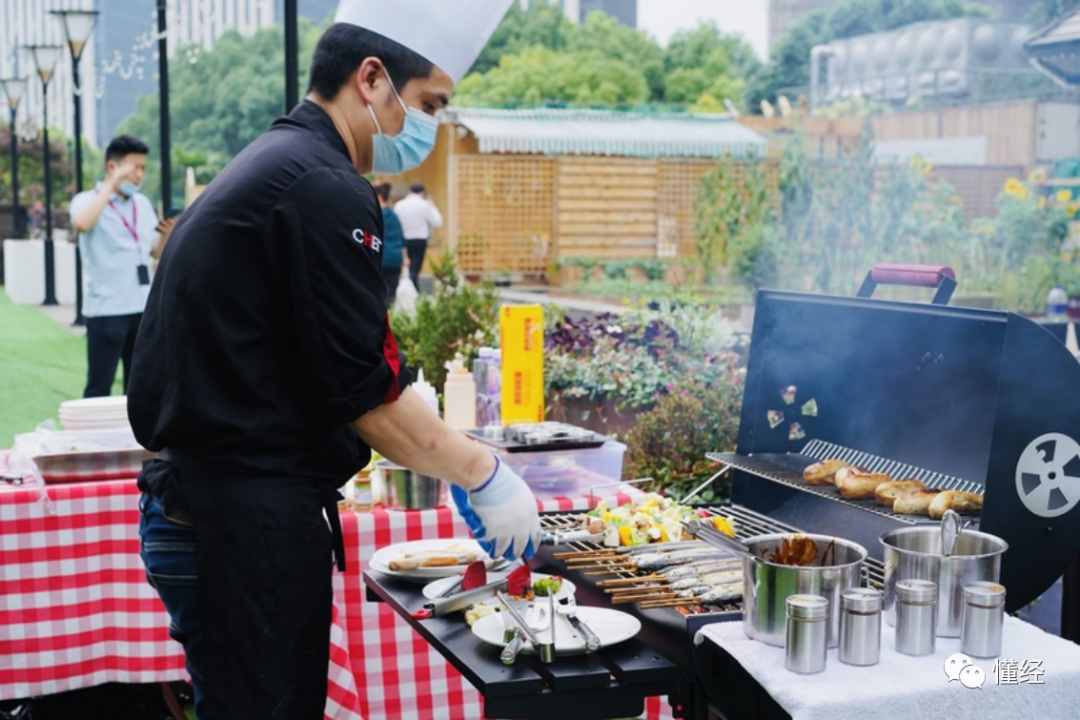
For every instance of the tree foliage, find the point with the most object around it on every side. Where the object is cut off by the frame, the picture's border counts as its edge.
(537, 56)
(219, 101)
(32, 177)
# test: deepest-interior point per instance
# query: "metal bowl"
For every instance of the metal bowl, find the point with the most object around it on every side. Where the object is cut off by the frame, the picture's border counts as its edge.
(836, 567)
(409, 490)
(915, 553)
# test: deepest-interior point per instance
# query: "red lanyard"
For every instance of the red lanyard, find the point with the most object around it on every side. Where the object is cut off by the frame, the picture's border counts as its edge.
(131, 227)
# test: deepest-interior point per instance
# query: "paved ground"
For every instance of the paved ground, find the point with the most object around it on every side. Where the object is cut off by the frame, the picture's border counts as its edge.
(64, 315)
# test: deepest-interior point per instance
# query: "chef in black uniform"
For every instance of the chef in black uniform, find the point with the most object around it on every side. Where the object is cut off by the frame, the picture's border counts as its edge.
(265, 369)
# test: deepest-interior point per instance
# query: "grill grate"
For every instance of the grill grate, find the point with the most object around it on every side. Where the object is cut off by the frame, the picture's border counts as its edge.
(747, 524)
(787, 469)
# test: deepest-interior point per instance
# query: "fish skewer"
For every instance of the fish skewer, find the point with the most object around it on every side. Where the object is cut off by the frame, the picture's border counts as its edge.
(655, 561)
(630, 549)
(716, 595)
(709, 578)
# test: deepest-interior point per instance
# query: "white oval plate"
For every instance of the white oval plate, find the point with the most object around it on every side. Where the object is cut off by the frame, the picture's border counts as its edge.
(432, 589)
(611, 626)
(382, 558)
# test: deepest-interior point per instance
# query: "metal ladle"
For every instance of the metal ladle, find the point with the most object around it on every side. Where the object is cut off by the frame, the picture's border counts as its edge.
(952, 525)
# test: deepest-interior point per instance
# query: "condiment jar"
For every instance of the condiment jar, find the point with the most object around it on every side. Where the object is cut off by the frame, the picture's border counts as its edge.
(860, 626)
(916, 616)
(807, 630)
(983, 618)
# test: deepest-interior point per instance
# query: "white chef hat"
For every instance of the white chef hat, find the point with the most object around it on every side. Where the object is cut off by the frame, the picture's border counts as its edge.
(449, 33)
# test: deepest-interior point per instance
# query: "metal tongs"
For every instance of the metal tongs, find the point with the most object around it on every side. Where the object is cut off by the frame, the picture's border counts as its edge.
(545, 651)
(717, 539)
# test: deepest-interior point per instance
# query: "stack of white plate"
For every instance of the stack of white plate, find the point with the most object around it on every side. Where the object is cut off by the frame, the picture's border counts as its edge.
(100, 413)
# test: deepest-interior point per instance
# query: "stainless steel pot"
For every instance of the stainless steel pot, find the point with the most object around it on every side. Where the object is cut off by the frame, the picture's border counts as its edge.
(915, 553)
(409, 490)
(836, 567)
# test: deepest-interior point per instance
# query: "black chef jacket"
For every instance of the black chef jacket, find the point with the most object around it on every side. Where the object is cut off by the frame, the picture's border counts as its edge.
(266, 332)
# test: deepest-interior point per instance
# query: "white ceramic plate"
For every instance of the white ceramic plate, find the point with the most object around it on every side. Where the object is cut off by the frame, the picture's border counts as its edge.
(611, 626)
(432, 589)
(382, 558)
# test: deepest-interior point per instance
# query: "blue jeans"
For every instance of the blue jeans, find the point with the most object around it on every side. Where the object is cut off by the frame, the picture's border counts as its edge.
(168, 552)
(243, 565)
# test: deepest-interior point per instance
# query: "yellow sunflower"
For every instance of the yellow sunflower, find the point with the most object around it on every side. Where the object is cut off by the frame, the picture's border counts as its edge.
(1014, 187)
(1063, 196)
(1037, 176)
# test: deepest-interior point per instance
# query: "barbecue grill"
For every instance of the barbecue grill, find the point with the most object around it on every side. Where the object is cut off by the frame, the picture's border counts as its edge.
(963, 399)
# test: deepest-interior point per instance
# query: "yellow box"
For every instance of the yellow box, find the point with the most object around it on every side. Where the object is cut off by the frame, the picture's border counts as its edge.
(521, 330)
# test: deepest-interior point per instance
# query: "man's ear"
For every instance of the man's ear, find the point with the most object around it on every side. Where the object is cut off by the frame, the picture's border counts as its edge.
(367, 78)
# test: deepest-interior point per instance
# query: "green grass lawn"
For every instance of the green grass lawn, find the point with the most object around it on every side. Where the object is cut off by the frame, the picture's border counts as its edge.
(41, 365)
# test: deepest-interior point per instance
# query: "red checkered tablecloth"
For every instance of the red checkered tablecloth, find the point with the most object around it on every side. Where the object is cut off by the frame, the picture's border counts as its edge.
(76, 611)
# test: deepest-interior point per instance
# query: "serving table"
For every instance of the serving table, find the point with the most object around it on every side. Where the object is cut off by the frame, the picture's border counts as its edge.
(610, 683)
(76, 610)
(1036, 676)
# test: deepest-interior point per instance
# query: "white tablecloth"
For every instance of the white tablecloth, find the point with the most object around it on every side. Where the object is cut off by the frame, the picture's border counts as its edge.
(905, 688)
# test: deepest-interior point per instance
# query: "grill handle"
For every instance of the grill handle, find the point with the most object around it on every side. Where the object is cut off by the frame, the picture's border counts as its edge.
(941, 277)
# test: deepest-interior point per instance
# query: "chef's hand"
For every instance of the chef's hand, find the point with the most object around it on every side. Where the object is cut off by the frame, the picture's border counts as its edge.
(501, 514)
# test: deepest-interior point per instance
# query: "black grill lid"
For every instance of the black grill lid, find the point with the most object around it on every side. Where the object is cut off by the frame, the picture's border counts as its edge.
(982, 396)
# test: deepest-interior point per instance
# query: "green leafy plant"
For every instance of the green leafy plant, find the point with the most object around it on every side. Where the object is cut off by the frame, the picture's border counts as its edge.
(457, 319)
(670, 441)
(729, 197)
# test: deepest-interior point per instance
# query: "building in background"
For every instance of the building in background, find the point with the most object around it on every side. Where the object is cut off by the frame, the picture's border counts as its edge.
(27, 22)
(625, 11)
(785, 13)
(120, 63)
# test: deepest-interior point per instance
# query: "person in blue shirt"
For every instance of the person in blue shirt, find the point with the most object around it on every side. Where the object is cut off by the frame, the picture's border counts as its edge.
(119, 234)
(393, 243)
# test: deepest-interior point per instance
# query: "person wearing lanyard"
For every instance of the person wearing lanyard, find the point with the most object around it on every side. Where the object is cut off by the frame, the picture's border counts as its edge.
(119, 233)
(265, 371)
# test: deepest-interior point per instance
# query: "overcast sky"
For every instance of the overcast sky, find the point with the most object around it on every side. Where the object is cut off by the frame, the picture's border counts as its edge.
(662, 18)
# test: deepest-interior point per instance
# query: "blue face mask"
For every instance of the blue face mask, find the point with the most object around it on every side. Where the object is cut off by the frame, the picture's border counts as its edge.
(407, 149)
(129, 188)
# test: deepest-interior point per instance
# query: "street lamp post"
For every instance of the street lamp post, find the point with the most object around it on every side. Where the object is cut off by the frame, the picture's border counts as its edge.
(77, 24)
(14, 89)
(45, 57)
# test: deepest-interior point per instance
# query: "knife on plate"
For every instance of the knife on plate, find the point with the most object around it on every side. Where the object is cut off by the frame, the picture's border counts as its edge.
(543, 651)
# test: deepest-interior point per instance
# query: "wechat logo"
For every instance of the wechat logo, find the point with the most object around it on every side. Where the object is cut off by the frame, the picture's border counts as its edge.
(960, 667)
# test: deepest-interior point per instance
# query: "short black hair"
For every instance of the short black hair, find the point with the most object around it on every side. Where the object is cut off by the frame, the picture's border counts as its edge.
(383, 190)
(417, 188)
(344, 47)
(123, 145)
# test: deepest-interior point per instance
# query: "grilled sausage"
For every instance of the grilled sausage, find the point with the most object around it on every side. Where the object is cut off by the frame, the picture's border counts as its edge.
(915, 503)
(887, 492)
(964, 503)
(861, 486)
(847, 471)
(821, 473)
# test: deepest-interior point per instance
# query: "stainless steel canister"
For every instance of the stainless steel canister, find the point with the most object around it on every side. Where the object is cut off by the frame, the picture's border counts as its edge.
(916, 616)
(916, 553)
(860, 626)
(409, 490)
(807, 626)
(984, 616)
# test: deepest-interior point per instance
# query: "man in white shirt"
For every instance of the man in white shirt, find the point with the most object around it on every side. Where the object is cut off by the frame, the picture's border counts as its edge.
(418, 215)
(119, 233)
